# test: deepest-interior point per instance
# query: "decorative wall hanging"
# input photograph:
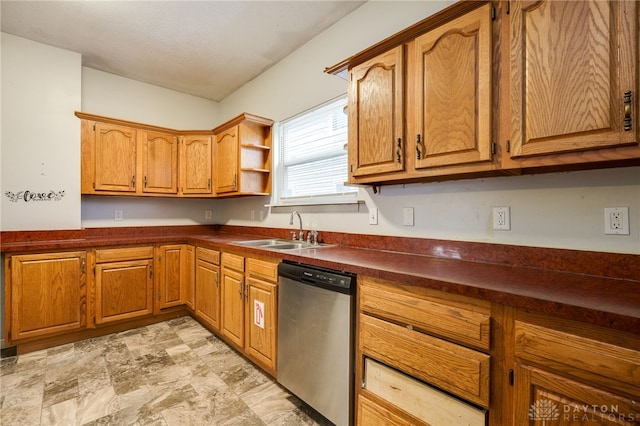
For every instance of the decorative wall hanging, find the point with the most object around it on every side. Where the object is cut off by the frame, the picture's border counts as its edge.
(27, 196)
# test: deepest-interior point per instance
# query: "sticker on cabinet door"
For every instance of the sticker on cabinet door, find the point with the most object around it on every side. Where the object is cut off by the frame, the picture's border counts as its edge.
(258, 313)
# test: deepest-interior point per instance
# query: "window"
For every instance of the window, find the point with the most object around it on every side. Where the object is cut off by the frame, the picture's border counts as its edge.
(313, 156)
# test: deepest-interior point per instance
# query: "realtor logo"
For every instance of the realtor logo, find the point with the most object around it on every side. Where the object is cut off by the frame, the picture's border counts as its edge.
(544, 410)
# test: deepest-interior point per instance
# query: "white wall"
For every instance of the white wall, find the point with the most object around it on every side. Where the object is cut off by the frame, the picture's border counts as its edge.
(113, 96)
(562, 210)
(40, 135)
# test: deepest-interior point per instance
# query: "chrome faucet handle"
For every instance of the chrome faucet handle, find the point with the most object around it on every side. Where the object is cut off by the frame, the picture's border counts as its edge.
(301, 235)
(314, 236)
(293, 235)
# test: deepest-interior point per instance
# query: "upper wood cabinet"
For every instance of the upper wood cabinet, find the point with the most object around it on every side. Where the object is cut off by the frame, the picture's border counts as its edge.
(114, 152)
(243, 156)
(125, 158)
(195, 165)
(46, 294)
(573, 81)
(502, 87)
(450, 107)
(424, 107)
(376, 115)
(159, 162)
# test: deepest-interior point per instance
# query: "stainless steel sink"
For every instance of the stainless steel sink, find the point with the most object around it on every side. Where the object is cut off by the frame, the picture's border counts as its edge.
(280, 244)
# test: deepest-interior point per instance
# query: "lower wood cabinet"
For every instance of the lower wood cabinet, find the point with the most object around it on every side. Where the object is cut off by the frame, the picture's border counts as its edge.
(123, 283)
(175, 280)
(417, 356)
(232, 297)
(249, 303)
(46, 294)
(261, 297)
(207, 291)
(569, 373)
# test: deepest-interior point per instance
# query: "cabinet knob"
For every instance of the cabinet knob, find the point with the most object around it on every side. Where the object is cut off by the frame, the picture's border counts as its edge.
(399, 150)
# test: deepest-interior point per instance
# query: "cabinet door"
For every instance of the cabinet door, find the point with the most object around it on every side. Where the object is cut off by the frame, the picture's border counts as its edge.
(227, 161)
(187, 278)
(124, 290)
(159, 163)
(207, 305)
(452, 73)
(545, 397)
(232, 310)
(261, 325)
(376, 118)
(571, 65)
(195, 164)
(48, 294)
(115, 158)
(172, 272)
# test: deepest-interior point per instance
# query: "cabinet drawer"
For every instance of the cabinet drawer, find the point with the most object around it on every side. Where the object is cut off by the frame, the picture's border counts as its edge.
(124, 253)
(422, 401)
(597, 362)
(463, 320)
(263, 269)
(208, 255)
(233, 261)
(456, 369)
(372, 414)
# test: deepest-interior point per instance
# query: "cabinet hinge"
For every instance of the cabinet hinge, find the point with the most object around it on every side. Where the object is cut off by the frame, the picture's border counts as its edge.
(151, 271)
(159, 258)
(158, 297)
(511, 378)
(508, 146)
(508, 7)
(94, 127)
(493, 13)
(94, 185)
(627, 111)
(493, 148)
(83, 265)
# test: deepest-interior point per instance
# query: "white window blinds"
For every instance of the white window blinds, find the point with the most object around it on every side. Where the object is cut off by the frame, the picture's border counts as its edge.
(313, 153)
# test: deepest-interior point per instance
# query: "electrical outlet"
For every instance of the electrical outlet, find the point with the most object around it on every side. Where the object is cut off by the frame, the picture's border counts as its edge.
(616, 220)
(407, 216)
(501, 219)
(253, 215)
(373, 216)
(117, 215)
(208, 214)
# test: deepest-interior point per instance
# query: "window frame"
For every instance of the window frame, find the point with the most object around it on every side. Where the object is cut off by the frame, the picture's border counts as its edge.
(348, 197)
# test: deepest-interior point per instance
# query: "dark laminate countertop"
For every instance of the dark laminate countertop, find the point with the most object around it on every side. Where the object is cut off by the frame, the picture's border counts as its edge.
(597, 288)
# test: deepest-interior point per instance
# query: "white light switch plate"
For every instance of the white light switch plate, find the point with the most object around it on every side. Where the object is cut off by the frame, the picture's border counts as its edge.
(373, 216)
(407, 216)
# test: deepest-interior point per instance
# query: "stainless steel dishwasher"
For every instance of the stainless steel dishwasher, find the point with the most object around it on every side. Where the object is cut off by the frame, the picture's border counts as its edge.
(316, 338)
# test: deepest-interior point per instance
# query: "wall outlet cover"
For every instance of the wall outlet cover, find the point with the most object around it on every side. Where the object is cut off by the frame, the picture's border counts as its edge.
(502, 218)
(616, 220)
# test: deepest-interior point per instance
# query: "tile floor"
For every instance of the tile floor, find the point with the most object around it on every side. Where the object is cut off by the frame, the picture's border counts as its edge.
(171, 373)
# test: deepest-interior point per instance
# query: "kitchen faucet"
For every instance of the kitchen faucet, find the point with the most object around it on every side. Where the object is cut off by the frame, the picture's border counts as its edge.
(301, 236)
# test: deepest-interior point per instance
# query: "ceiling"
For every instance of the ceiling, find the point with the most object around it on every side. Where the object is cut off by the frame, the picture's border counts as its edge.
(203, 48)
